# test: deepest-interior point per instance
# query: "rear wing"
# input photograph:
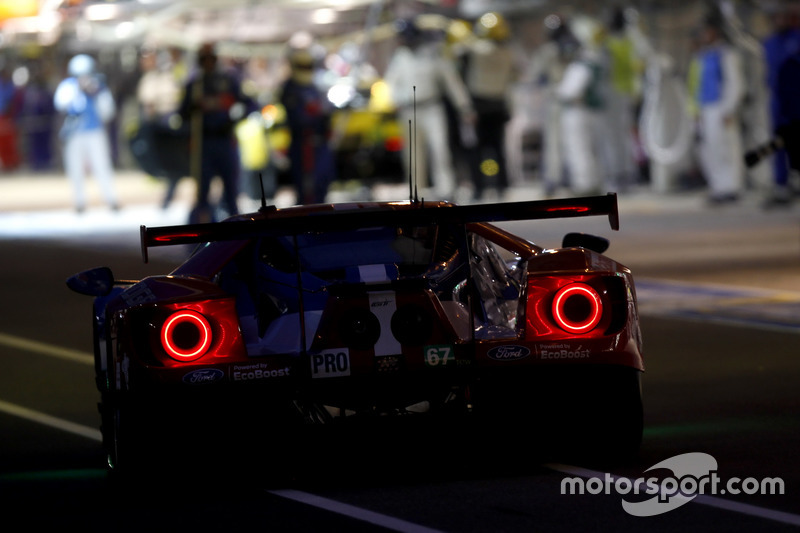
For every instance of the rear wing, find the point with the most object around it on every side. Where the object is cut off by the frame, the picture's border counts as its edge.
(417, 214)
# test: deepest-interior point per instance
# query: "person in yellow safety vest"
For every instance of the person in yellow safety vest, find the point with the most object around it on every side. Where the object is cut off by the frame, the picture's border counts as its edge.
(717, 85)
(624, 69)
(255, 155)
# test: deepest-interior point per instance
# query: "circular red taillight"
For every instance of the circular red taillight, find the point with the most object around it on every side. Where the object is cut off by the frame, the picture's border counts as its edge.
(186, 335)
(577, 308)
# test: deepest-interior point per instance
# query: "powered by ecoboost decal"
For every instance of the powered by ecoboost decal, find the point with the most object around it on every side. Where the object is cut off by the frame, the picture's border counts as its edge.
(203, 376)
(255, 371)
(562, 351)
(508, 352)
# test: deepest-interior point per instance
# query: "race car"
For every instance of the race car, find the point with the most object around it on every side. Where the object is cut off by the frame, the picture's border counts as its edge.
(345, 314)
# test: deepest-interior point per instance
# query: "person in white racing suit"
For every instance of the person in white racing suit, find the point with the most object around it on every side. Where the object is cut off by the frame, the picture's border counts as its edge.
(583, 101)
(718, 87)
(417, 76)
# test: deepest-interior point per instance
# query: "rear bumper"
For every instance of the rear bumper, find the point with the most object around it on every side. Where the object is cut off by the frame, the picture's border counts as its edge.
(526, 367)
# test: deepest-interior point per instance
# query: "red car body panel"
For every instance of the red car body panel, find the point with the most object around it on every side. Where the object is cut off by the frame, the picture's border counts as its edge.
(328, 362)
(290, 319)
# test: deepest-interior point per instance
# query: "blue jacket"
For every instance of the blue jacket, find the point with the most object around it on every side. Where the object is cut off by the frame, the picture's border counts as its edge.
(85, 111)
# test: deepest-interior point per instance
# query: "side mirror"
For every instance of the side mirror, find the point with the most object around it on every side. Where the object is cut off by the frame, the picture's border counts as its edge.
(585, 240)
(95, 282)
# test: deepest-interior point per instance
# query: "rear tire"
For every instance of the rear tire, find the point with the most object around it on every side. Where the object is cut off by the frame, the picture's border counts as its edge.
(607, 424)
(127, 439)
(181, 439)
(564, 414)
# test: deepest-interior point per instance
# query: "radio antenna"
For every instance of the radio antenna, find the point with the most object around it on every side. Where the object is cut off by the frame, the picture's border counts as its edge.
(410, 164)
(416, 197)
(263, 196)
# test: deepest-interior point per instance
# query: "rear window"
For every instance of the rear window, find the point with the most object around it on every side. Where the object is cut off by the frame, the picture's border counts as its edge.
(410, 249)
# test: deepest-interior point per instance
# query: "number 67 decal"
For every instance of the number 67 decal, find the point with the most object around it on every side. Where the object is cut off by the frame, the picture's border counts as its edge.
(439, 355)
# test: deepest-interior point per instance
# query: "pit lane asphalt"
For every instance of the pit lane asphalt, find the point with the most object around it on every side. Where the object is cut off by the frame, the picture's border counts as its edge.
(718, 387)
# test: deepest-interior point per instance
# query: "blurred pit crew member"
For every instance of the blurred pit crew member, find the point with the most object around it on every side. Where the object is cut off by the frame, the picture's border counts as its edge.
(581, 95)
(419, 71)
(624, 73)
(88, 105)
(9, 99)
(788, 80)
(308, 113)
(489, 73)
(546, 70)
(717, 84)
(781, 45)
(214, 103)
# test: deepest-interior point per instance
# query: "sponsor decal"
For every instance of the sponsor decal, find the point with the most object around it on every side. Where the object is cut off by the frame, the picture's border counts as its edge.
(257, 371)
(439, 355)
(331, 363)
(383, 305)
(508, 352)
(203, 376)
(562, 351)
(384, 302)
(387, 363)
(138, 294)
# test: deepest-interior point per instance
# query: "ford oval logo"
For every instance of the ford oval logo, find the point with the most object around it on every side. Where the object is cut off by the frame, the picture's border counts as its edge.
(508, 353)
(203, 376)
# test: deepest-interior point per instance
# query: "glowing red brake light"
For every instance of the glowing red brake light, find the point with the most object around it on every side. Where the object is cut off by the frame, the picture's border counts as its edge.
(577, 308)
(186, 335)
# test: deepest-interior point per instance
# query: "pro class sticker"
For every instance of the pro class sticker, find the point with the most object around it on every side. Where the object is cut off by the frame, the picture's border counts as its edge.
(508, 352)
(333, 363)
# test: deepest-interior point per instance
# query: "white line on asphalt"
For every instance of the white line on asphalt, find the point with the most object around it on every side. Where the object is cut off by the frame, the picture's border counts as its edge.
(49, 420)
(385, 521)
(46, 349)
(702, 499)
(768, 309)
(388, 522)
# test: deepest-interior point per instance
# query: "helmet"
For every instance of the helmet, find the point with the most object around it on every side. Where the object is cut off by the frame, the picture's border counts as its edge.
(206, 53)
(492, 25)
(588, 31)
(81, 65)
(409, 31)
(301, 58)
(617, 20)
(301, 61)
(458, 31)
